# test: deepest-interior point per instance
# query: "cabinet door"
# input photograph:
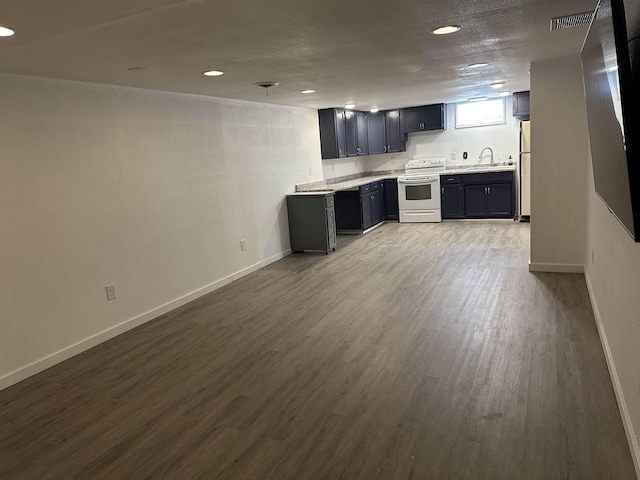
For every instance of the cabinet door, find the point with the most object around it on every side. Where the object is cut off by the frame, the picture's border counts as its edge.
(392, 129)
(341, 134)
(332, 133)
(376, 207)
(351, 129)
(383, 204)
(391, 199)
(375, 133)
(363, 137)
(434, 117)
(411, 119)
(500, 200)
(451, 205)
(365, 207)
(475, 200)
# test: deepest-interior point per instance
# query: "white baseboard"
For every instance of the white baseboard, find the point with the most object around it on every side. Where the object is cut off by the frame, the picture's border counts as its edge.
(556, 268)
(83, 345)
(617, 388)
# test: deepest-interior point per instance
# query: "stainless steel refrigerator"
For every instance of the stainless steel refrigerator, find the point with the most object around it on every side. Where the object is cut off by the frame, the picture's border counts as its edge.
(525, 171)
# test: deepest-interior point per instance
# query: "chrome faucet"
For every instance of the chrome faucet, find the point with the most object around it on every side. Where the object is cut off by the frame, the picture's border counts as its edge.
(487, 148)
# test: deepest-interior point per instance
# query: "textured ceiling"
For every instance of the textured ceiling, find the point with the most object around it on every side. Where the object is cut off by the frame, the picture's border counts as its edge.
(369, 52)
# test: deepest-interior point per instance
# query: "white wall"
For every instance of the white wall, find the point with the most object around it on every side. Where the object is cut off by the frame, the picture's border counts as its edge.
(559, 146)
(613, 278)
(503, 139)
(151, 191)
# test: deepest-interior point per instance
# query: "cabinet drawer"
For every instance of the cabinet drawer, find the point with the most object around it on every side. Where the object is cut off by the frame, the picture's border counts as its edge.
(365, 188)
(450, 179)
(493, 177)
(329, 201)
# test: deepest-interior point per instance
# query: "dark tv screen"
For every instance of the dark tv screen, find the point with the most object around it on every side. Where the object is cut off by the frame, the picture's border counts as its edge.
(611, 90)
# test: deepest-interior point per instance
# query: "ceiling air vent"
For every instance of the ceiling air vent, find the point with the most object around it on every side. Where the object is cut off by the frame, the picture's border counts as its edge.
(571, 20)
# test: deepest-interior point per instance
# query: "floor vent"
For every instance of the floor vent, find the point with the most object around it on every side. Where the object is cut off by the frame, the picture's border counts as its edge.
(571, 20)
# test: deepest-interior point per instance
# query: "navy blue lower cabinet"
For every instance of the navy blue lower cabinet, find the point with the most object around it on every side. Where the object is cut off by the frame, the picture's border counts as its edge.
(483, 195)
(499, 200)
(475, 201)
(361, 209)
(452, 198)
(366, 209)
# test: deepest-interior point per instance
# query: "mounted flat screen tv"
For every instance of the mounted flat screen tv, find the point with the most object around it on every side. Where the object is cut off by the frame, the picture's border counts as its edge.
(611, 73)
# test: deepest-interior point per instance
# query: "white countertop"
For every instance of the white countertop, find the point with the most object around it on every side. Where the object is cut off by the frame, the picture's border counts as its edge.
(479, 169)
(321, 187)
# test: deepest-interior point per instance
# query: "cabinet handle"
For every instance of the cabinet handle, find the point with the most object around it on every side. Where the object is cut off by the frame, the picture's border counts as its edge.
(489, 190)
(442, 190)
(485, 190)
(385, 149)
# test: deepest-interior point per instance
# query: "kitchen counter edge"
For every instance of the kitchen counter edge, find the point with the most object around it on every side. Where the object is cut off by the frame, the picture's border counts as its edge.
(355, 183)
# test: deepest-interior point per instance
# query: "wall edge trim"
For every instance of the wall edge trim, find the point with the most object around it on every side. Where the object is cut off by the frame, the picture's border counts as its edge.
(556, 267)
(617, 388)
(74, 349)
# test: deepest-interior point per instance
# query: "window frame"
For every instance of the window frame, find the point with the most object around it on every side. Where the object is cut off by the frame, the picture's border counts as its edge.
(482, 124)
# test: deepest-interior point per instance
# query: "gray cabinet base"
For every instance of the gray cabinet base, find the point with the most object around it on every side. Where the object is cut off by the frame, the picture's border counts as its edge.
(312, 224)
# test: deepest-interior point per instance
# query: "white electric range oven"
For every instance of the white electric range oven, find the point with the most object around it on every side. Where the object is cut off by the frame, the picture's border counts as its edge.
(419, 191)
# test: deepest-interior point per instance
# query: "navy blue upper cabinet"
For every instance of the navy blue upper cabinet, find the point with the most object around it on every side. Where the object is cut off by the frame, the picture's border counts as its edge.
(393, 137)
(424, 118)
(333, 134)
(363, 133)
(521, 105)
(352, 132)
(375, 133)
(346, 133)
(412, 119)
(343, 133)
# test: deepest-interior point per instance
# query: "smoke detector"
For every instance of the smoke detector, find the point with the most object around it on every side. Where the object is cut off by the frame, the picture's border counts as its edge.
(570, 21)
(266, 85)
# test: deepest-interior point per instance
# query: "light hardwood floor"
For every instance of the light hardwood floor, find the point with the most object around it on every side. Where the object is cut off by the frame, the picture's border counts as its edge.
(414, 352)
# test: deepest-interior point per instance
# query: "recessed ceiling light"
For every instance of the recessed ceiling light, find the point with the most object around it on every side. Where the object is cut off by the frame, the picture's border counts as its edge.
(213, 73)
(505, 93)
(6, 32)
(477, 65)
(477, 99)
(374, 110)
(497, 84)
(308, 91)
(447, 29)
(350, 106)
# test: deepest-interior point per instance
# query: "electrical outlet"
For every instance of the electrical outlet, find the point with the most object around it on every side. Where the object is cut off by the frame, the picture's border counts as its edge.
(111, 292)
(453, 156)
(310, 172)
(243, 244)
